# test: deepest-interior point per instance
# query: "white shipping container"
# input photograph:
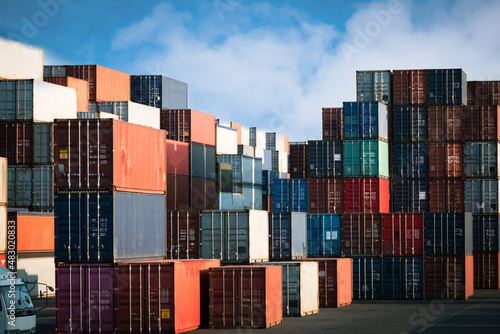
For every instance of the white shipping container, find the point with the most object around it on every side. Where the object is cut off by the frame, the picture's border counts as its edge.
(283, 162)
(129, 112)
(226, 140)
(275, 142)
(3, 181)
(3, 228)
(19, 61)
(266, 156)
(34, 269)
(245, 135)
(96, 115)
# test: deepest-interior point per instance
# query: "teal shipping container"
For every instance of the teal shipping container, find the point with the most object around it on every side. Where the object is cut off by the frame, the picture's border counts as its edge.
(366, 158)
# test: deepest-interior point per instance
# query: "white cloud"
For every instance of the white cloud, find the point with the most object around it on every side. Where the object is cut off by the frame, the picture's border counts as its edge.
(279, 75)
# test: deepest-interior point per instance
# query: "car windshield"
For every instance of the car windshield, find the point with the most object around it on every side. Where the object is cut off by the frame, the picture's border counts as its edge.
(18, 296)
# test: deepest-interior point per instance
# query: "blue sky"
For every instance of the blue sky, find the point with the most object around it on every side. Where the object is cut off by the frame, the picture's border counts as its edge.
(271, 64)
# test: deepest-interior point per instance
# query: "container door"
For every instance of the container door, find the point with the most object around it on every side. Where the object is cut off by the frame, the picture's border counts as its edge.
(43, 143)
(70, 307)
(291, 289)
(99, 306)
(129, 301)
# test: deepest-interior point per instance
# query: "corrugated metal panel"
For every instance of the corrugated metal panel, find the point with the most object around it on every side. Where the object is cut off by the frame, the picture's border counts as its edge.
(409, 124)
(268, 178)
(445, 160)
(299, 160)
(246, 170)
(333, 123)
(325, 158)
(486, 270)
(203, 194)
(374, 86)
(365, 120)
(362, 235)
(366, 158)
(445, 124)
(290, 195)
(481, 123)
(183, 235)
(366, 195)
(31, 187)
(287, 236)
(178, 192)
(484, 93)
(188, 125)
(326, 196)
(486, 230)
(27, 143)
(447, 87)
(446, 195)
(252, 197)
(449, 277)
(403, 278)
(410, 160)
(275, 142)
(403, 234)
(159, 91)
(202, 161)
(481, 160)
(20, 61)
(323, 235)
(177, 158)
(54, 71)
(131, 112)
(409, 87)
(367, 278)
(482, 196)
(410, 195)
(448, 234)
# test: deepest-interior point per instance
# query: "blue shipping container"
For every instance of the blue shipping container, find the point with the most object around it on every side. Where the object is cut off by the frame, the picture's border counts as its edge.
(410, 160)
(365, 120)
(447, 87)
(268, 178)
(482, 196)
(290, 195)
(325, 158)
(159, 91)
(410, 195)
(409, 124)
(403, 278)
(448, 234)
(287, 236)
(486, 233)
(366, 278)
(99, 227)
(323, 235)
(252, 197)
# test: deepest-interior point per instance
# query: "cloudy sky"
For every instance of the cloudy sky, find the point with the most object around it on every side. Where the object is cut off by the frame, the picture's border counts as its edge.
(272, 64)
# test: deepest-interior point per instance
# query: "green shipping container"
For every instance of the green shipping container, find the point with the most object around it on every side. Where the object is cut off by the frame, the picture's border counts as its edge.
(366, 158)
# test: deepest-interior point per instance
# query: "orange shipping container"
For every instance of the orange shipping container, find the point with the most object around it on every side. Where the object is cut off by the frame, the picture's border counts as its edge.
(189, 126)
(238, 130)
(34, 231)
(445, 123)
(445, 160)
(81, 86)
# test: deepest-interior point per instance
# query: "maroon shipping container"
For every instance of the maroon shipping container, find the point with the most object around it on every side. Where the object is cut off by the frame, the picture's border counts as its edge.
(298, 160)
(361, 234)
(203, 194)
(481, 123)
(445, 160)
(84, 298)
(161, 296)
(245, 296)
(326, 196)
(445, 123)
(189, 126)
(449, 277)
(177, 158)
(178, 191)
(366, 195)
(403, 234)
(96, 154)
(486, 270)
(183, 235)
(409, 87)
(446, 195)
(333, 123)
(484, 93)
(16, 142)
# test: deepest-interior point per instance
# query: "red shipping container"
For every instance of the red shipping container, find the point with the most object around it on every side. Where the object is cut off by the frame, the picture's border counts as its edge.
(178, 191)
(403, 234)
(409, 87)
(105, 84)
(326, 196)
(81, 87)
(3, 260)
(445, 123)
(183, 235)
(366, 195)
(189, 126)
(177, 158)
(84, 298)
(481, 123)
(245, 296)
(298, 160)
(449, 277)
(445, 160)
(109, 154)
(16, 142)
(486, 270)
(335, 281)
(333, 123)
(361, 234)
(203, 194)
(446, 195)
(483, 93)
(161, 296)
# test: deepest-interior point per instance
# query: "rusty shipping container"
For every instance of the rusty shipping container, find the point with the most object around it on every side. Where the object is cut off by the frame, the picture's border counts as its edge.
(109, 154)
(188, 126)
(483, 93)
(486, 267)
(81, 87)
(403, 234)
(178, 192)
(366, 195)
(361, 235)
(245, 296)
(445, 160)
(481, 123)
(183, 235)
(446, 195)
(449, 277)
(409, 87)
(177, 158)
(298, 160)
(326, 196)
(445, 123)
(333, 124)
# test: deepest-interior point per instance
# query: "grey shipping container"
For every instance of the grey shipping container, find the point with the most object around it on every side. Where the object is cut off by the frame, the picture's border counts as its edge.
(43, 143)
(246, 170)
(481, 196)
(481, 160)
(31, 187)
(252, 197)
(202, 161)
(159, 91)
(54, 71)
(374, 86)
(287, 236)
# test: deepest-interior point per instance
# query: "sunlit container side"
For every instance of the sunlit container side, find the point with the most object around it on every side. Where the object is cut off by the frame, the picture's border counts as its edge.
(287, 236)
(333, 123)
(481, 160)
(4, 172)
(81, 87)
(403, 234)
(267, 158)
(31, 100)
(367, 278)
(238, 129)
(486, 270)
(38, 269)
(410, 160)
(178, 192)
(409, 124)
(31, 187)
(299, 160)
(374, 86)
(188, 126)
(483, 93)
(446, 87)
(84, 298)
(323, 235)
(159, 91)
(203, 194)
(183, 235)
(362, 235)
(410, 195)
(252, 197)
(202, 161)
(96, 115)
(177, 158)
(226, 140)
(366, 195)
(268, 178)
(106, 227)
(109, 154)
(235, 236)
(246, 170)
(445, 160)
(230, 201)
(409, 87)
(449, 277)
(20, 61)
(403, 278)
(300, 287)
(445, 124)
(290, 195)
(245, 135)
(448, 234)
(275, 142)
(105, 84)
(365, 120)
(245, 297)
(34, 232)
(481, 123)
(325, 158)
(482, 196)
(131, 112)
(246, 150)
(366, 158)
(486, 230)
(326, 196)
(446, 195)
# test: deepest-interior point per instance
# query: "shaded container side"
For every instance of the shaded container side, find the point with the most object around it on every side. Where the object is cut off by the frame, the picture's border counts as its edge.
(410, 160)
(445, 123)
(178, 192)
(326, 196)
(202, 161)
(409, 87)
(81, 87)
(446, 195)
(403, 234)
(365, 120)
(325, 159)
(246, 170)
(367, 278)
(333, 123)
(183, 235)
(410, 195)
(323, 235)
(448, 234)
(445, 160)
(481, 160)
(403, 278)
(177, 158)
(159, 91)
(366, 158)
(252, 197)
(481, 123)
(287, 236)
(27, 143)
(224, 177)
(266, 156)
(374, 86)
(230, 201)
(486, 230)
(449, 277)
(203, 194)
(299, 160)
(188, 125)
(483, 93)
(409, 124)
(361, 235)
(482, 196)
(447, 87)
(31, 187)
(290, 195)
(268, 178)
(486, 266)
(54, 71)
(366, 195)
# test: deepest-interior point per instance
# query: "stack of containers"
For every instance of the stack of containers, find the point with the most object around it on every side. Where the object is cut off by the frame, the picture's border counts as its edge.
(277, 143)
